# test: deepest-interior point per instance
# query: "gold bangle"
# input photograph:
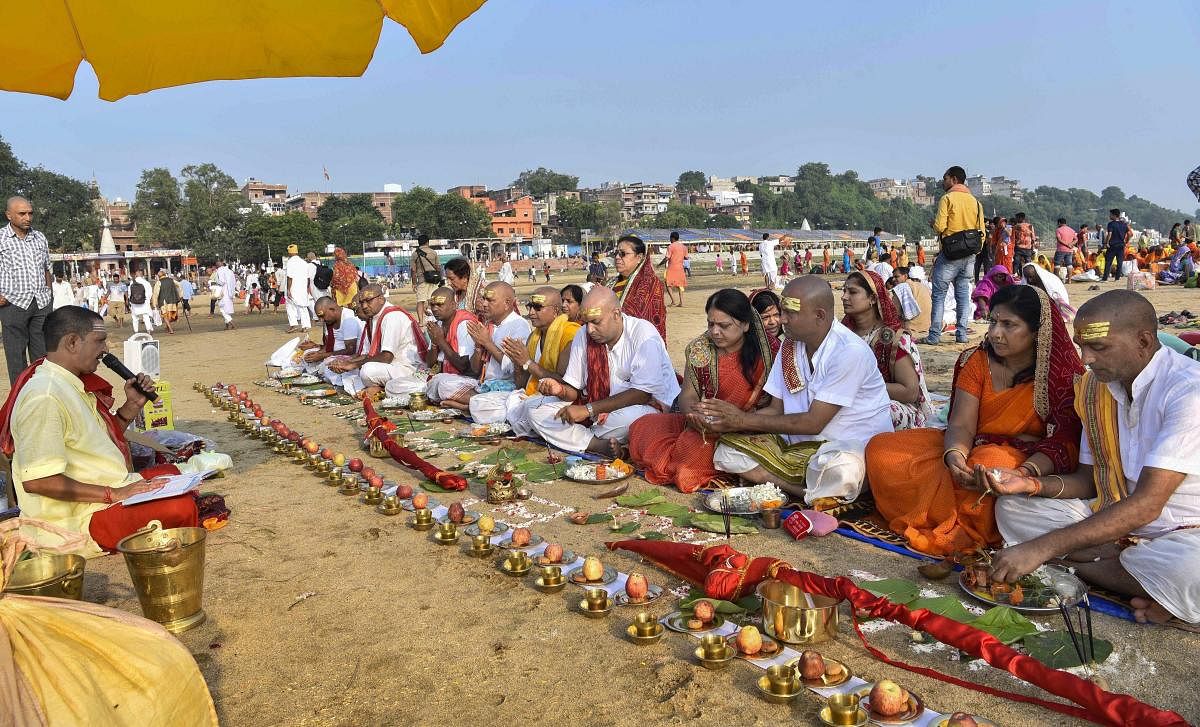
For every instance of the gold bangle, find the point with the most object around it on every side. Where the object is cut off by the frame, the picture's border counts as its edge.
(1031, 467)
(953, 449)
(1062, 486)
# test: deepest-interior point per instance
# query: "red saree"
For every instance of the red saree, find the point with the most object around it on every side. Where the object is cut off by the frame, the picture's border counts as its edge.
(641, 296)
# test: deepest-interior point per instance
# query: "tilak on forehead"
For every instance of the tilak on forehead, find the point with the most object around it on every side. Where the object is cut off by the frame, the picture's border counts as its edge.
(438, 299)
(1095, 330)
(489, 295)
(594, 312)
(536, 298)
(792, 304)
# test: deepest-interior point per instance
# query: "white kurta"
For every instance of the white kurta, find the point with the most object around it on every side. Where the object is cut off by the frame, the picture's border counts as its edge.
(403, 374)
(638, 360)
(1157, 430)
(298, 299)
(843, 373)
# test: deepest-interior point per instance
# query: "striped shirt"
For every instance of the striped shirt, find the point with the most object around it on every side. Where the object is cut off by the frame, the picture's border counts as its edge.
(23, 267)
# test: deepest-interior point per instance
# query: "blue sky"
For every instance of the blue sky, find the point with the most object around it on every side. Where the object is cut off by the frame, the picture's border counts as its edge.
(1067, 93)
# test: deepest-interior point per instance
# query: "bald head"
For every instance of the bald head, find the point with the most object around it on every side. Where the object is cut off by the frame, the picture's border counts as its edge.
(500, 299)
(19, 213)
(549, 296)
(598, 297)
(1125, 310)
(811, 291)
(371, 289)
(601, 313)
(15, 200)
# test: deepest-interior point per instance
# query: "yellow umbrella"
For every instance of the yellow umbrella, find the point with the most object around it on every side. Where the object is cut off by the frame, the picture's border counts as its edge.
(136, 46)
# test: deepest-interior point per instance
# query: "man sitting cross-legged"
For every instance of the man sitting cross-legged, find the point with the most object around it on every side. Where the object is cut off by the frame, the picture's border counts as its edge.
(448, 332)
(825, 387)
(501, 320)
(391, 350)
(618, 368)
(1128, 519)
(544, 355)
(70, 459)
(340, 330)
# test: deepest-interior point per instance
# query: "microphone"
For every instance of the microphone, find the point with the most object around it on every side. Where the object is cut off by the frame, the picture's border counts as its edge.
(118, 368)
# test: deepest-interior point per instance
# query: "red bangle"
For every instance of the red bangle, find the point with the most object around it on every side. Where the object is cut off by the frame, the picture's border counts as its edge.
(1038, 491)
(108, 495)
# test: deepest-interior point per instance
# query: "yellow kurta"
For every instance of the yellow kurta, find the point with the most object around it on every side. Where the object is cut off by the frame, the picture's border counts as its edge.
(57, 430)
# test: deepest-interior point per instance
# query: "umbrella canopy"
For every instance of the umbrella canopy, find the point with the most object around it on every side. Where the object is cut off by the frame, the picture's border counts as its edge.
(136, 46)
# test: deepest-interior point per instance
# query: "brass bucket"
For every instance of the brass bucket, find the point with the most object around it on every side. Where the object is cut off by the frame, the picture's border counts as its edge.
(56, 576)
(795, 617)
(167, 570)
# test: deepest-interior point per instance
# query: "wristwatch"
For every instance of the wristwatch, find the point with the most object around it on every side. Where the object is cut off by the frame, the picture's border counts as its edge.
(525, 366)
(591, 412)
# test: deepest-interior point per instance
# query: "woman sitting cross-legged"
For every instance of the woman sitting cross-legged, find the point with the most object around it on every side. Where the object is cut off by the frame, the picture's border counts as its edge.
(871, 313)
(1012, 406)
(730, 362)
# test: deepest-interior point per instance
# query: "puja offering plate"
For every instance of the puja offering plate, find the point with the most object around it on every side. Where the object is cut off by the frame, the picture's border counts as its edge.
(678, 622)
(597, 612)
(766, 654)
(652, 593)
(305, 380)
(978, 720)
(288, 373)
(568, 556)
(575, 575)
(468, 518)
(534, 541)
(541, 585)
(394, 402)
(745, 500)
(318, 394)
(433, 502)
(764, 690)
(718, 663)
(434, 415)
(1037, 592)
(484, 432)
(915, 709)
(826, 717)
(631, 631)
(497, 530)
(824, 682)
(589, 473)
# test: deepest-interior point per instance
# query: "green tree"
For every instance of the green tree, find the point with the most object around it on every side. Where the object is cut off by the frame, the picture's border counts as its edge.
(211, 214)
(335, 211)
(157, 208)
(679, 216)
(62, 210)
(352, 232)
(410, 209)
(691, 181)
(264, 237)
(10, 169)
(724, 222)
(454, 217)
(542, 181)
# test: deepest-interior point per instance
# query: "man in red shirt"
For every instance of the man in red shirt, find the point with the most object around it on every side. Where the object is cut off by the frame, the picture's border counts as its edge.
(1024, 238)
(1064, 249)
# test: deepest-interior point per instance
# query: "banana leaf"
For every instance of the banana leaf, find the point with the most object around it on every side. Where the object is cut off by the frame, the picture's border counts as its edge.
(695, 594)
(641, 499)
(625, 528)
(947, 606)
(668, 509)
(896, 590)
(653, 535)
(600, 517)
(716, 524)
(1055, 650)
(1005, 624)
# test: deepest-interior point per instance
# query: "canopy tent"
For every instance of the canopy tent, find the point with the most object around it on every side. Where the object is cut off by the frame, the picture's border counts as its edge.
(136, 46)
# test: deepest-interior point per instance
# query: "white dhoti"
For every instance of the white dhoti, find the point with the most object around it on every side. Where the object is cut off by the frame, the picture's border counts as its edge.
(1165, 565)
(490, 407)
(441, 387)
(394, 378)
(576, 437)
(297, 313)
(519, 408)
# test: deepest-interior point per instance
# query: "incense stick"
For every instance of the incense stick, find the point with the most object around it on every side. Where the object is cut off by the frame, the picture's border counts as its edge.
(725, 511)
(1071, 631)
(1091, 642)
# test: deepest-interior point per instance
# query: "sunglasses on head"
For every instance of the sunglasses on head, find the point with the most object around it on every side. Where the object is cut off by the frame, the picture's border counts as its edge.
(625, 253)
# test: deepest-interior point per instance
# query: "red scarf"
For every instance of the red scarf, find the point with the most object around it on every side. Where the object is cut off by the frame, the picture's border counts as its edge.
(597, 371)
(93, 384)
(484, 356)
(885, 347)
(377, 332)
(330, 340)
(460, 316)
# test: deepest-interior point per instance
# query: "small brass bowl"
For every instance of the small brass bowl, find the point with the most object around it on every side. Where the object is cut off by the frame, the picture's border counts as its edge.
(717, 662)
(420, 526)
(515, 565)
(443, 536)
(780, 684)
(645, 624)
(334, 477)
(372, 496)
(541, 584)
(637, 638)
(858, 718)
(423, 516)
(349, 488)
(588, 608)
(480, 552)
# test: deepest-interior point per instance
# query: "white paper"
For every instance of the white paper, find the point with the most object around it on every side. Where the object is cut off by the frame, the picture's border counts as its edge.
(175, 485)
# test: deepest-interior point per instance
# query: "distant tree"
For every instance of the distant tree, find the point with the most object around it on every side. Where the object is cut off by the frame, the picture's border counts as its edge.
(542, 181)
(62, 210)
(678, 216)
(157, 208)
(352, 232)
(410, 209)
(10, 169)
(265, 236)
(744, 186)
(211, 213)
(335, 211)
(691, 181)
(455, 217)
(724, 222)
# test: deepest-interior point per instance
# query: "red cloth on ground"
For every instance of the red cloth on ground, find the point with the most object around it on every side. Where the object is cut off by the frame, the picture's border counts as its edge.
(376, 428)
(722, 571)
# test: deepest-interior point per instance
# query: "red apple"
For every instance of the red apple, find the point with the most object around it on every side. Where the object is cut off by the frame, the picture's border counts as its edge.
(312, 447)
(749, 641)
(355, 465)
(368, 473)
(812, 665)
(327, 453)
(404, 491)
(521, 537)
(635, 586)
(420, 500)
(704, 611)
(375, 481)
(456, 512)
(888, 698)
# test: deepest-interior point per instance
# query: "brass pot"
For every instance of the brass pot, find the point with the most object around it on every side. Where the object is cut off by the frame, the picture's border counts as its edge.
(794, 617)
(167, 570)
(56, 576)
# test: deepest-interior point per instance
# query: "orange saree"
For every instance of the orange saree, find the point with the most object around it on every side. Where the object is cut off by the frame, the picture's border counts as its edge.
(668, 450)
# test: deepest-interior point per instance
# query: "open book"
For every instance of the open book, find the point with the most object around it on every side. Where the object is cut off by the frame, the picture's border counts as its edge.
(175, 485)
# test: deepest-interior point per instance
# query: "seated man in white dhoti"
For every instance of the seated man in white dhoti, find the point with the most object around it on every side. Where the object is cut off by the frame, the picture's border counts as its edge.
(618, 371)
(544, 355)
(1128, 520)
(500, 320)
(391, 350)
(452, 345)
(828, 399)
(340, 330)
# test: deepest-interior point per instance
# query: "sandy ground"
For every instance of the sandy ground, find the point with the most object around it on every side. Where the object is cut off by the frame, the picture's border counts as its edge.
(323, 612)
